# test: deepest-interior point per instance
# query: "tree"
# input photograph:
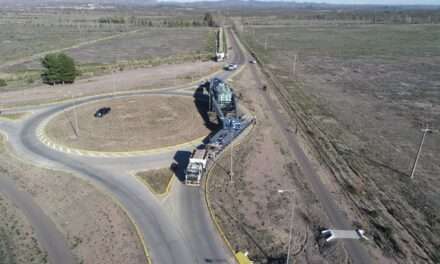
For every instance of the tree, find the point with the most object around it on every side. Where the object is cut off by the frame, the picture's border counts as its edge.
(58, 68)
(209, 20)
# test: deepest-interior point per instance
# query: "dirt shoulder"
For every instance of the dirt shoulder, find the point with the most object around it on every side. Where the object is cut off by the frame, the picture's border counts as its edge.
(146, 78)
(18, 242)
(96, 229)
(253, 215)
(137, 123)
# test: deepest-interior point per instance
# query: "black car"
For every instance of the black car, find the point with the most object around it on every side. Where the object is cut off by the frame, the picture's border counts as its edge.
(102, 112)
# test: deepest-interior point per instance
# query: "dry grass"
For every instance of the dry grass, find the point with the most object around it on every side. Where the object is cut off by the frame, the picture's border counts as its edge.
(363, 93)
(137, 123)
(156, 180)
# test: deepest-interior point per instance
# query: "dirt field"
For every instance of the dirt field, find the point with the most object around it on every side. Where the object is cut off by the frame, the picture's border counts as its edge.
(254, 216)
(363, 94)
(148, 78)
(18, 243)
(96, 47)
(137, 123)
(142, 45)
(100, 233)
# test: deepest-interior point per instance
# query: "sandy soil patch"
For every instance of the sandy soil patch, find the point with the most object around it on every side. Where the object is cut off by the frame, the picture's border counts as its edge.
(135, 123)
(97, 230)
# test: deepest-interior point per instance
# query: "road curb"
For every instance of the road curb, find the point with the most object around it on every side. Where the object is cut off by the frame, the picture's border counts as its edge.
(208, 204)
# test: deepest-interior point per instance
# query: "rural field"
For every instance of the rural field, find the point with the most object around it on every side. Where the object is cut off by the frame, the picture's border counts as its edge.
(138, 123)
(362, 94)
(100, 42)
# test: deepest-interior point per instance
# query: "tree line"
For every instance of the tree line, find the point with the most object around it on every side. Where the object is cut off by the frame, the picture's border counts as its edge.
(206, 21)
(373, 16)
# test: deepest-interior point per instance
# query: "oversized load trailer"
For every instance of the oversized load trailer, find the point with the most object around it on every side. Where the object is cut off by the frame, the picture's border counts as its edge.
(222, 101)
(196, 167)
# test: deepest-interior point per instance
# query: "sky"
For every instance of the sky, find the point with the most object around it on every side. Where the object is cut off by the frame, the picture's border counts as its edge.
(375, 2)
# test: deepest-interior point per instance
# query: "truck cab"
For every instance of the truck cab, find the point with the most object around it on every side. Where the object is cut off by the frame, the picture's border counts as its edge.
(196, 167)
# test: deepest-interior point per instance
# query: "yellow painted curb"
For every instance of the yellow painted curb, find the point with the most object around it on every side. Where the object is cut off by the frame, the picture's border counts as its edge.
(136, 227)
(208, 204)
(46, 140)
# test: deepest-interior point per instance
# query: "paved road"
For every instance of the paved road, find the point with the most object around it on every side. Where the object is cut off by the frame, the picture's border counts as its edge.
(177, 230)
(338, 220)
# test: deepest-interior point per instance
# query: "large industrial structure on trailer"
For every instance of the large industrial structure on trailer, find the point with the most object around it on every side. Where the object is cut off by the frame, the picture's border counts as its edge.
(223, 102)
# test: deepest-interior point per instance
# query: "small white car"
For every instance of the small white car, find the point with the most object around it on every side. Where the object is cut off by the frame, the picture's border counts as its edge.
(253, 62)
(231, 67)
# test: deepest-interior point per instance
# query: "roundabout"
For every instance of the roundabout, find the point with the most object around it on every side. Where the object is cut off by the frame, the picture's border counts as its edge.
(135, 125)
(177, 229)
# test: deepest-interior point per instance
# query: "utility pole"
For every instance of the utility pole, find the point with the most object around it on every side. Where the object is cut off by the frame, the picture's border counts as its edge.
(76, 119)
(290, 224)
(294, 66)
(113, 81)
(425, 131)
(265, 44)
(232, 169)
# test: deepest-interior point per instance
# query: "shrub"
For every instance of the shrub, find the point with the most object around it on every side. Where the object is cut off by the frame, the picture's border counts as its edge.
(3, 83)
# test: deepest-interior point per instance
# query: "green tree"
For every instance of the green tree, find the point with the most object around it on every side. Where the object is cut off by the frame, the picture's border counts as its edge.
(58, 68)
(3, 83)
(209, 20)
